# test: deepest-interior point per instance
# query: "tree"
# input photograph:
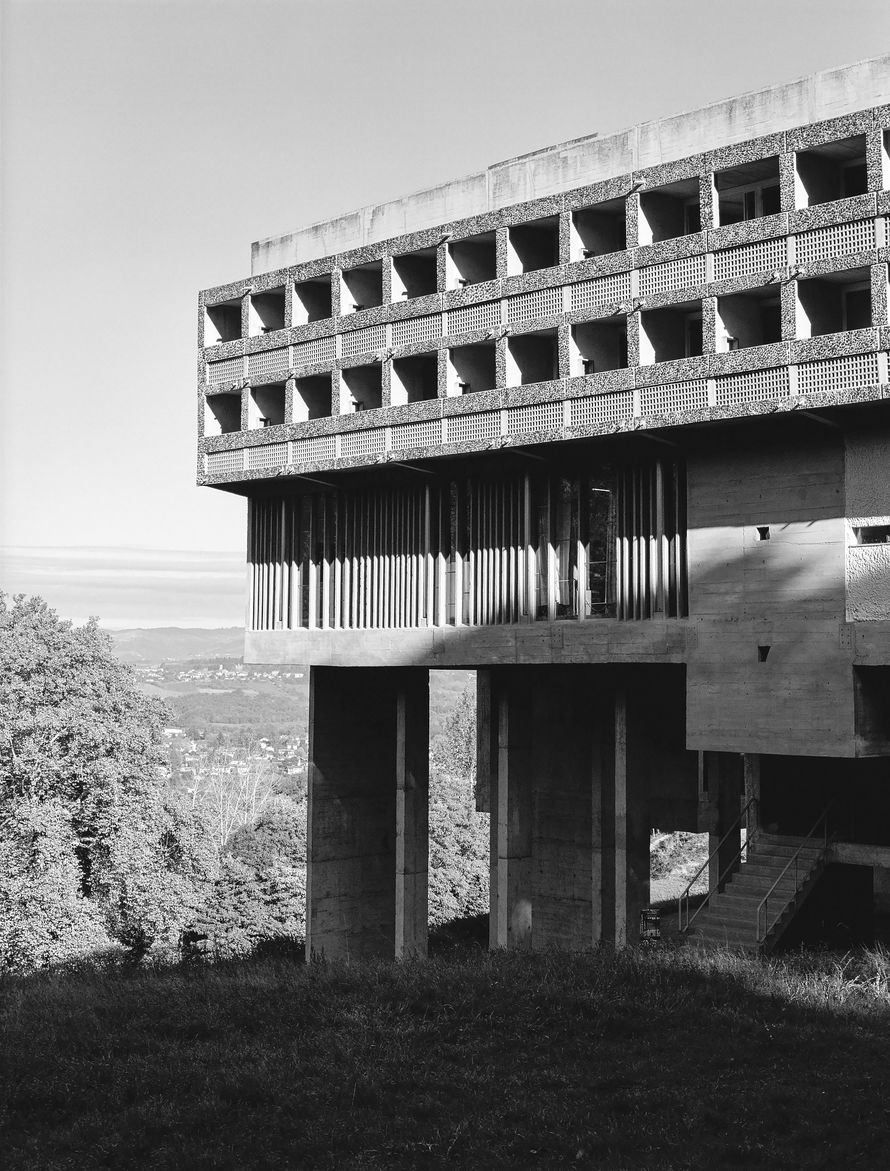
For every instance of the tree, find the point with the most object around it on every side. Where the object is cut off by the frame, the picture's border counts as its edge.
(232, 788)
(459, 847)
(83, 793)
(454, 751)
(259, 898)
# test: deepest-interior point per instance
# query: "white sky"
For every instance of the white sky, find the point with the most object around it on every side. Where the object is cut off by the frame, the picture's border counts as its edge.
(146, 143)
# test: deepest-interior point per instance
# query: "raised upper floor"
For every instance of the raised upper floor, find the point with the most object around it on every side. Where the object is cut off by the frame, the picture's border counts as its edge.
(751, 273)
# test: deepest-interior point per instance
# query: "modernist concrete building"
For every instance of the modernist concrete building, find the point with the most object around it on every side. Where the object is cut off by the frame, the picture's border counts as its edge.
(609, 424)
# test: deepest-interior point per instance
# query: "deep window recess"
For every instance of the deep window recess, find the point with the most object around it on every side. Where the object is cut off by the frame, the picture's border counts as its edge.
(748, 191)
(751, 318)
(832, 170)
(599, 229)
(471, 261)
(669, 211)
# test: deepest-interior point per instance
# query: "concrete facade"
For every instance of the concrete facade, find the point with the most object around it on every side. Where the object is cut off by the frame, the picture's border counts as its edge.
(607, 423)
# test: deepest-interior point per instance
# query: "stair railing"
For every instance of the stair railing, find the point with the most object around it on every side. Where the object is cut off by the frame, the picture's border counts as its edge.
(793, 862)
(746, 816)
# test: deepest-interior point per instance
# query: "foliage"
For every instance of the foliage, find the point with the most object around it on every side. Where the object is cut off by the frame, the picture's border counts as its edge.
(599, 1059)
(677, 853)
(44, 917)
(260, 894)
(80, 762)
(232, 788)
(458, 859)
(454, 752)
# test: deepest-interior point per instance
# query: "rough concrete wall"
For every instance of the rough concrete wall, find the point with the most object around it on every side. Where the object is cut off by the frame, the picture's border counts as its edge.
(785, 594)
(868, 503)
(590, 160)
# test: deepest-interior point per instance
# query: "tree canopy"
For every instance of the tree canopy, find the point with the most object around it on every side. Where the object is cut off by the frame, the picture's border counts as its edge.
(83, 792)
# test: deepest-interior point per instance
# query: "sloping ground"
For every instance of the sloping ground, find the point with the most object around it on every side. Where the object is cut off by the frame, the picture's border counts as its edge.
(668, 1059)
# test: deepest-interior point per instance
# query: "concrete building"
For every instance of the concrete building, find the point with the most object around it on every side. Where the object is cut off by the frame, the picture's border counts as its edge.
(608, 423)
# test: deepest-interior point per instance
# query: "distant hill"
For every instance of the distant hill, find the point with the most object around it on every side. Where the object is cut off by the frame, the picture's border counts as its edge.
(178, 643)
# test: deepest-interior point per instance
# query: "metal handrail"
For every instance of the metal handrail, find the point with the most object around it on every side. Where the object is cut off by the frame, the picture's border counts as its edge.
(749, 838)
(763, 906)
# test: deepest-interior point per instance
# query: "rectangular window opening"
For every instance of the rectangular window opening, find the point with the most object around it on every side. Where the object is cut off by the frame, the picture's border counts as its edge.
(831, 170)
(669, 211)
(599, 229)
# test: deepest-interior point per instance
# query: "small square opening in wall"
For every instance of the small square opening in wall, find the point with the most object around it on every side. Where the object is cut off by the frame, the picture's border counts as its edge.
(751, 318)
(748, 191)
(222, 322)
(362, 287)
(598, 345)
(472, 368)
(834, 303)
(763, 532)
(312, 300)
(222, 414)
(265, 406)
(414, 379)
(312, 398)
(361, 389)
(671, 333)
(414, 274)
(832, 170)
(872, 534)
(471, 261)
(532, 357)
(763, 653)
(669, 211)
(533, 245)
(599, 229)
(266, 312)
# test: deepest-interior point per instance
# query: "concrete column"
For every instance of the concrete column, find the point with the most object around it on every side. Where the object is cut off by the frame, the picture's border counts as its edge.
(412, 818)
(368, 799)
(568, 768)
(631, 815)
(510, 916)
(565, 779)
(723, 772)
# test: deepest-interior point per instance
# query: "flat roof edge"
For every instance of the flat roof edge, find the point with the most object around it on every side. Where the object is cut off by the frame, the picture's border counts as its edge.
(577, 162)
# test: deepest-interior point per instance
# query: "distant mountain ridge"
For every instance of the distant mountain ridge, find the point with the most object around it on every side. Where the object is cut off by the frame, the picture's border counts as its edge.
(178, 643)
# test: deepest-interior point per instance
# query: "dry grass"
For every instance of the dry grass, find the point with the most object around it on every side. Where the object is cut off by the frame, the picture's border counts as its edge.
(665, 1059)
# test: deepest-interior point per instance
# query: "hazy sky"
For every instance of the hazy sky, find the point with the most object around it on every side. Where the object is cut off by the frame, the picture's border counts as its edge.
(146, 143)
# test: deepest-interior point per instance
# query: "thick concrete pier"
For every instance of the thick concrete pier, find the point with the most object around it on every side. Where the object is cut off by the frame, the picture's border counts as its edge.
(368, 812)
(574, 761)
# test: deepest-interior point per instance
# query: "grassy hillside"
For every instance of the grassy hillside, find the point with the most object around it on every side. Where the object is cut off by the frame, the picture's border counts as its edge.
(660, 1060)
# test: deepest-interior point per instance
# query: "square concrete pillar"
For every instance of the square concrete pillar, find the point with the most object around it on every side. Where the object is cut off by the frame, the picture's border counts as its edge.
(367, 846)
(567, 770)
(724, 781)
(508, 740)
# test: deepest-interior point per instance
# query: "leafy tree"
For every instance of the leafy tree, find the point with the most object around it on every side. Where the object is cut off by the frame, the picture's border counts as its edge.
(454, 751)
(44, 916)
(459, 836)
(260, 895)
(458, 861)
(83, 793)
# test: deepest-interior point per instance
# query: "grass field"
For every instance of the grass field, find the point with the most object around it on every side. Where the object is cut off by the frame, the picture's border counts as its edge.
(656, 1060)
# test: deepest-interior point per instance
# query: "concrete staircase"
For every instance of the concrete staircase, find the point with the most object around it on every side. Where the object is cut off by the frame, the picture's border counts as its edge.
(730, 917)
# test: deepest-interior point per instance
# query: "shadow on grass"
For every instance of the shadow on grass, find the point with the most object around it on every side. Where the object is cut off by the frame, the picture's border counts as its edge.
(666, 1058)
